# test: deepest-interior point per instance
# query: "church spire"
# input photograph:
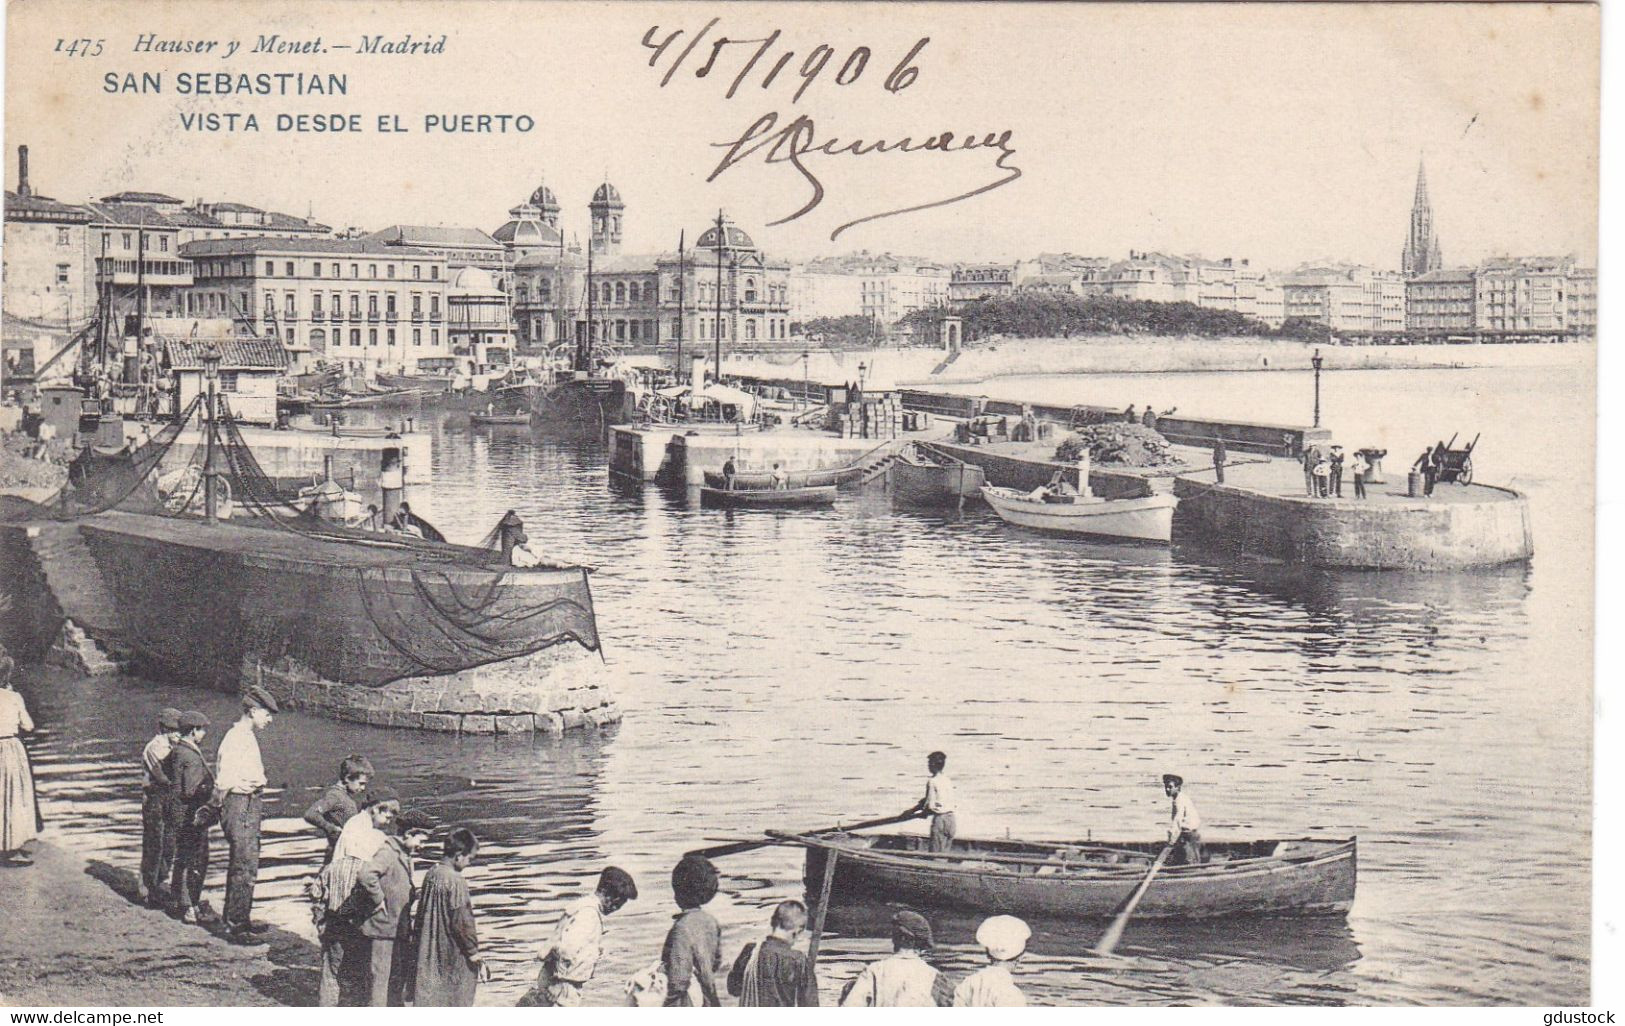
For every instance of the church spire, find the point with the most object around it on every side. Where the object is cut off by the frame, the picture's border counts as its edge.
(1421, 253)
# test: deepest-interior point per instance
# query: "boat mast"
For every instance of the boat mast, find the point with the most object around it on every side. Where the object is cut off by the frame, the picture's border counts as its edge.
(716, 329)
(681, 239)
(584, 345)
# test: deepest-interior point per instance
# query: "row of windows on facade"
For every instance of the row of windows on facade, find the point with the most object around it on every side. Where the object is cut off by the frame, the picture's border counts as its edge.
(217, 268)
(219, 302)
(633, 293)
(130, 240)
(318, 337)
(644, 331)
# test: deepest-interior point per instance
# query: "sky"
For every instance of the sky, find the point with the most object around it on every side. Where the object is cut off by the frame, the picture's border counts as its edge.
(1276, 133)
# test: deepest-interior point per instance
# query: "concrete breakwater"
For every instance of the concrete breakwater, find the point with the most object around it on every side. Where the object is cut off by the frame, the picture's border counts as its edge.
(360, 633)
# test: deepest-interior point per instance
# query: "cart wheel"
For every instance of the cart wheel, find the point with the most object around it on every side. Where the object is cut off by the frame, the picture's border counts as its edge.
(1466, 476)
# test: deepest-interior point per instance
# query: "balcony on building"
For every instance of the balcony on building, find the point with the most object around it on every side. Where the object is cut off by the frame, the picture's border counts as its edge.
(150, 271)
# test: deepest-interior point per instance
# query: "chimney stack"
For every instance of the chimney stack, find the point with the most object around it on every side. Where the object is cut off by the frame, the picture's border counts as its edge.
(22, 172)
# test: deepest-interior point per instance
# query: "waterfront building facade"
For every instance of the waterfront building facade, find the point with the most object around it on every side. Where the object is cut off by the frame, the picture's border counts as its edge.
(641, 300)
(1227, 284)
(457, 247)
(248, 373)
(1346, 298)
(1536, 294)
(355, 303)
(815, 294)
(1441, 302)
(479, 325)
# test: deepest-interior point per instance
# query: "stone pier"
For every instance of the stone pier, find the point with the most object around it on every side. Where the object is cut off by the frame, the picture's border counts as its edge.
(1263, 510)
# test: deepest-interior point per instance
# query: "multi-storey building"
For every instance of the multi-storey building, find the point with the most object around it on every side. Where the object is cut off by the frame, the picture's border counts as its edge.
(1227, 284)
(479, 324)
(1346, 298)
(352, 302)
(458, 247)
(1441, 302)
(49, 273)
(643, 300)
(970, 283)
(1534, 294)
(815, 294)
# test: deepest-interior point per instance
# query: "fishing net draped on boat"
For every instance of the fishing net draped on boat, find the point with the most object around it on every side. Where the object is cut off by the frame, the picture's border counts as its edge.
(346, 605)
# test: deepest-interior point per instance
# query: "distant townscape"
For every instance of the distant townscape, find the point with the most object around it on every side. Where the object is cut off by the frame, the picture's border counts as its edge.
(408, 299)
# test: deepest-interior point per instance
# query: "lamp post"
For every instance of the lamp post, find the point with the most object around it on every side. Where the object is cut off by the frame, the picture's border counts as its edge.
(862, 367)
(806, 390)
(1317, 361)
(211, 374)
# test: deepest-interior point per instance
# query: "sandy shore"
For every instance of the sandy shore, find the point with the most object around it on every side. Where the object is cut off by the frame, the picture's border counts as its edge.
(74, 935)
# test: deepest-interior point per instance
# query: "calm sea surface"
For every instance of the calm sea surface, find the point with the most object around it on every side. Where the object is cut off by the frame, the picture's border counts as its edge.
(791, 670)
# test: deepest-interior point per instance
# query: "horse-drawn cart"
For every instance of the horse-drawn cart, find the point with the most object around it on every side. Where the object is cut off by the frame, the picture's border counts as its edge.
(1455, 464)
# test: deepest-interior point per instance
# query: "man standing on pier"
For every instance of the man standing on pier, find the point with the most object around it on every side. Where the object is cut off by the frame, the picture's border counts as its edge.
(1220, 457)
(240, 781)
(157, 842)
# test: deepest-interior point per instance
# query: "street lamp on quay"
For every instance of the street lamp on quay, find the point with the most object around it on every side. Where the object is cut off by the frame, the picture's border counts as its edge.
(806, 392)
(1317, 361)
(862, 367)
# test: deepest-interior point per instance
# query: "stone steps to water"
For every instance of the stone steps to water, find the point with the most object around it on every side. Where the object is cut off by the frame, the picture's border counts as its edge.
(75, 581)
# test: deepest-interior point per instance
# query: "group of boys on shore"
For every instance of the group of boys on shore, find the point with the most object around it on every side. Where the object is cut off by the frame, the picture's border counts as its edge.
(388, 940)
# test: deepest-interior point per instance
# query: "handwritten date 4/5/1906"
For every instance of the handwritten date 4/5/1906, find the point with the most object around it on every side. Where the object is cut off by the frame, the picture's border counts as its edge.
(798, 140)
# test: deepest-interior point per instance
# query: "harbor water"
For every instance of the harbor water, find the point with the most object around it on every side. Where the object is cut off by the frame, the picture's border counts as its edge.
(792, 670)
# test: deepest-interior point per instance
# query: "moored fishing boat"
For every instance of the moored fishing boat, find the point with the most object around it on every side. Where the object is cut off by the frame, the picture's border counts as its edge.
(500, 419)
(804, 495)
(1149, 518)
(919, 475)
(1087, 880)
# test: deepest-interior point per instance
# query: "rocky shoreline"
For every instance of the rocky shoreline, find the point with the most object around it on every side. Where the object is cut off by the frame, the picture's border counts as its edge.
(75, 935)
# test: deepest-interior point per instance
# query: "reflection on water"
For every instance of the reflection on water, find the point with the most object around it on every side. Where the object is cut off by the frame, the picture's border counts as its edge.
(791, 670)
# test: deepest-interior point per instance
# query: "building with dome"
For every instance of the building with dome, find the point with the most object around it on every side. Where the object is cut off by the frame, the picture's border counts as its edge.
(635, 297)
(478, 323)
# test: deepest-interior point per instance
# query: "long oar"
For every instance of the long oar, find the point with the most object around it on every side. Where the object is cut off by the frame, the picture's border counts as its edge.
(1114, 932)
(736, 847)
(823, 907)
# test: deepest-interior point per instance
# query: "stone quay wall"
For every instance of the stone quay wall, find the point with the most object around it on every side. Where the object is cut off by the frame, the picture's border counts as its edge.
(1332, 534)
(1024, 474)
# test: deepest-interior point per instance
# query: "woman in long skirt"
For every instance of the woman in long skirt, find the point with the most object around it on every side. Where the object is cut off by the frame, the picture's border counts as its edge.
(19, 814)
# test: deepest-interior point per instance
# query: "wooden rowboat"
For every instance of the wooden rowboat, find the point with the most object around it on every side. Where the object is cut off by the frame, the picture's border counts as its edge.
(499, 418)
(1086, 880)
(1145, 519)
(819, 495)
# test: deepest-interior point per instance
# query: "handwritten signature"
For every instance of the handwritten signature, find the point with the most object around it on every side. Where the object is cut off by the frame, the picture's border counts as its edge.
(799, 140)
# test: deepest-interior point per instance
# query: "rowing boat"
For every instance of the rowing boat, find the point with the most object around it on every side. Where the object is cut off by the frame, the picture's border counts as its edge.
(499, 418)
(1150, 518)
(1086, 880)
(820, 495)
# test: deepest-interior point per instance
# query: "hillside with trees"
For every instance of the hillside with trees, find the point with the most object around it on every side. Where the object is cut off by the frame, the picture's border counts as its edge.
(1062, 315)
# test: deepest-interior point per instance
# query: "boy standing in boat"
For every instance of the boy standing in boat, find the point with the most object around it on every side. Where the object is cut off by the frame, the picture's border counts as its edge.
(938, 803)
(1185, 826)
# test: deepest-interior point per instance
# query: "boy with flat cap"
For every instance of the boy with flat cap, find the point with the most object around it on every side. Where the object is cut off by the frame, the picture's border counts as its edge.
(1184, 826)
(240, 779)
(571, 955)
(1004, 938)
(383, 895)
(157, 843)
(346, 953)
(192, 790)
(902, 980)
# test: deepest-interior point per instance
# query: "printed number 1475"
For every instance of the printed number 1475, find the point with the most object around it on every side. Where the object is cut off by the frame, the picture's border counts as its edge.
(79, 47)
